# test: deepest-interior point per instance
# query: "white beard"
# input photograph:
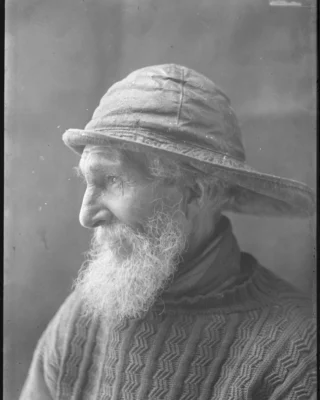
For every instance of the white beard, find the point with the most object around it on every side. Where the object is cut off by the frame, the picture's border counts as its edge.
(126, 271)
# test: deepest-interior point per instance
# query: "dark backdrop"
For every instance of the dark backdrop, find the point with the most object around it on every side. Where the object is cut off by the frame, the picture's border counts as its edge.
(61, 57)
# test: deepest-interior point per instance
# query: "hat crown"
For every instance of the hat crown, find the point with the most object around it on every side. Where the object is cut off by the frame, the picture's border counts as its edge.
(175, 103)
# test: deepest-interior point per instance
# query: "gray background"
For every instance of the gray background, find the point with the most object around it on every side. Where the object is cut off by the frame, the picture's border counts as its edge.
(61, 57)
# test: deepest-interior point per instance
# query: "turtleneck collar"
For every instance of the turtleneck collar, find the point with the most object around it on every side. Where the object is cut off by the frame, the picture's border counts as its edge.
(212, 271)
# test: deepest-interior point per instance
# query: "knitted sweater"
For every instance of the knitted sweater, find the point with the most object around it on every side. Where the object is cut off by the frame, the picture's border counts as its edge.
(255, 340)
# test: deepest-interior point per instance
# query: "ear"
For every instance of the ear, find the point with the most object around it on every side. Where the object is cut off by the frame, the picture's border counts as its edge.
(195, 198)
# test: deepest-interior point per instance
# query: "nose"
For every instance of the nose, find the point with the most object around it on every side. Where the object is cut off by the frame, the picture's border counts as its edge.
(93, 212)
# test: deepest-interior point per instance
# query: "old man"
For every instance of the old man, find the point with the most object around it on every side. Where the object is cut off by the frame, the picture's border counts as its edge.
(166, 305)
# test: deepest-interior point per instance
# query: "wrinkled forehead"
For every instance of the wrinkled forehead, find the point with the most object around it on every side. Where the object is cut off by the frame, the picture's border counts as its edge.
(105, 151)
(109, 155)
(99, 154)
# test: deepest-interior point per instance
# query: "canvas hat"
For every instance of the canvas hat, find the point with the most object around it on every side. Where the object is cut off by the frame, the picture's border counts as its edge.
(176, 111)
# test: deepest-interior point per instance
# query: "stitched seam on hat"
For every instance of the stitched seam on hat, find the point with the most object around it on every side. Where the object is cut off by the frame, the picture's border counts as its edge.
(181, 97)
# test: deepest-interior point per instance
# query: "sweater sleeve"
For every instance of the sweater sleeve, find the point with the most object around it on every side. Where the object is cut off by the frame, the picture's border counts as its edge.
(44, 371)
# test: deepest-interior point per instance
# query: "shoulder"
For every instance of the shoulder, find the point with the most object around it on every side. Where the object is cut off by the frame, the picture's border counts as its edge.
(285, 297)
(71, 308)
(68, 322)
(65, 331)
(276, 292)
(289, 370)
(286, 314)
(288, 366)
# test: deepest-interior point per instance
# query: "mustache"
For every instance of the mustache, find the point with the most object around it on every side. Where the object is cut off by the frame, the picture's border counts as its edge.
(109, 232)
(152, 227)
(114, 236)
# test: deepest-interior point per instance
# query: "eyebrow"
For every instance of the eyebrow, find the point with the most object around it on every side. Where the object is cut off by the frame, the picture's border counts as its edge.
(102, 169)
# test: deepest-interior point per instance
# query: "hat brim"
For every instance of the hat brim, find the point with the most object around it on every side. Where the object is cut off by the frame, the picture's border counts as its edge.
(254, 193)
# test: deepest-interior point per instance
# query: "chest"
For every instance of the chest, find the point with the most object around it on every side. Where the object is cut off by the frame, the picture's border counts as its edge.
(162, 358)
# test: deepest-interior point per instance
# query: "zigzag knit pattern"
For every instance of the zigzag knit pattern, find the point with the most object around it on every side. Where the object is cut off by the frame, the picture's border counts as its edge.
(257, 341)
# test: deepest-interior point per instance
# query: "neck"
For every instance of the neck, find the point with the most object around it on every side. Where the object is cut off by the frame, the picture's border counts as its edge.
(204, 230)
(217, 264)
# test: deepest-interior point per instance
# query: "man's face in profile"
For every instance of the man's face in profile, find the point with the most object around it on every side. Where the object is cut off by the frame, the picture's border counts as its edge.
(139, 233)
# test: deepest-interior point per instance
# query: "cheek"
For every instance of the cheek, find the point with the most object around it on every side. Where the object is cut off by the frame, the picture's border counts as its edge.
(132, 208)
(172, 198)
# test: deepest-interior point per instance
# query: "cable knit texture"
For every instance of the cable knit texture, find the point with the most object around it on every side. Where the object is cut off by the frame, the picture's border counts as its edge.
(255, 339)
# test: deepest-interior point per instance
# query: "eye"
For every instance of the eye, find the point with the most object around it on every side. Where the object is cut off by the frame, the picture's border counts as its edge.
(113, 180)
